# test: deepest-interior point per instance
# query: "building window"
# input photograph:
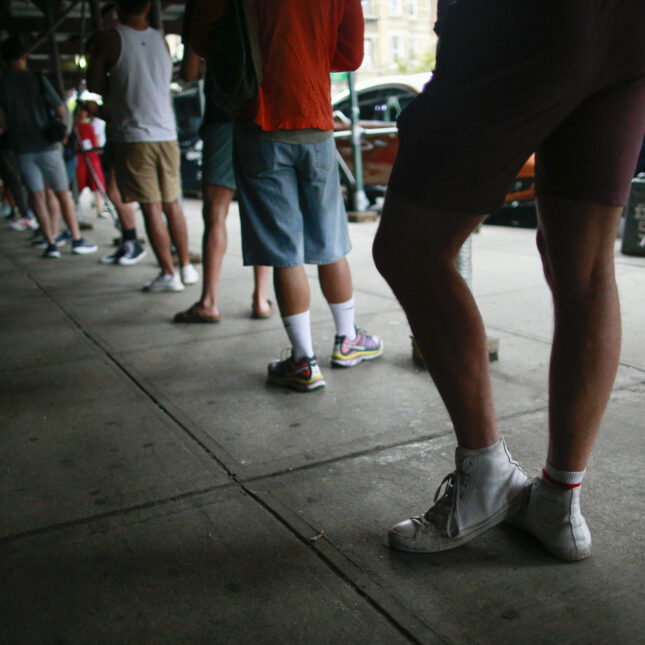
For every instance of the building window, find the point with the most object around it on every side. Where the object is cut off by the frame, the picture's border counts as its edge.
(412, 8)
(396, 7)
(397, 49)
(414, 51)
(367, 9)
(368, 57)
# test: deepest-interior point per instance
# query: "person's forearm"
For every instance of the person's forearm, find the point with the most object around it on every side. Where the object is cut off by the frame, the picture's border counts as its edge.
(190, 65)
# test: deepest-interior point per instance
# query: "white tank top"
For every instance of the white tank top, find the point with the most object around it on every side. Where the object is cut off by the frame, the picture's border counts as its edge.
(140, 88)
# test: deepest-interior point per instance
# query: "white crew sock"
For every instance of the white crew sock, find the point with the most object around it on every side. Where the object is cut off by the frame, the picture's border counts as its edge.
(343, 313)
(562, 478)
(298, 329)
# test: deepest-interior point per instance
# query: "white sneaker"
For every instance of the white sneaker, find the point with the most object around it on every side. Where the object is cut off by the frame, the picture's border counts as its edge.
(553, 515)
(483, 491)
(189, 275)
(165, 282)
(21, 224)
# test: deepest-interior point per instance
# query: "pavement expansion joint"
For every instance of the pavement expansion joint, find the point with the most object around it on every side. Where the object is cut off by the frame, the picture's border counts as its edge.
(119, 512)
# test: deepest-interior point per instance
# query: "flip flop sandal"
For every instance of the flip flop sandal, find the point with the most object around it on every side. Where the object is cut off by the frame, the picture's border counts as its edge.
(193, 316)
(264, 314)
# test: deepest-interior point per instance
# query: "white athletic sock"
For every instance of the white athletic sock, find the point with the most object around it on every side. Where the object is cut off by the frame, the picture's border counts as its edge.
(343, 313)
(562, 478)
(298, 329)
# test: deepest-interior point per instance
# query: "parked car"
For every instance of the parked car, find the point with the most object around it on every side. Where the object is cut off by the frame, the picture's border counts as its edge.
(380, 102)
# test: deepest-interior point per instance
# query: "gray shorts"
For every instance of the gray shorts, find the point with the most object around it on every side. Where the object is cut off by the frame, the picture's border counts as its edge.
(217, 155)
(40, 167)
(291, 208)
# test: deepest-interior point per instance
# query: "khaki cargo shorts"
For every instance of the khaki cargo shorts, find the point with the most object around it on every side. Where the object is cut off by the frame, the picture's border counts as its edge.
(147, 171)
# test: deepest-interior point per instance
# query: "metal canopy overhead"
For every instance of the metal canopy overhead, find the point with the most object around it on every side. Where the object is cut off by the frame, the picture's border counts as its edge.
(73, 22)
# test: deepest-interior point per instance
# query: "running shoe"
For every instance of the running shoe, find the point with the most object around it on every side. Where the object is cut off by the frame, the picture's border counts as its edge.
(132, 253)
(348, 353)
(303, 375)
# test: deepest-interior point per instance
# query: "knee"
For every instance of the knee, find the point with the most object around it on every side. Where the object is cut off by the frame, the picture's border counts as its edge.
(384, 252)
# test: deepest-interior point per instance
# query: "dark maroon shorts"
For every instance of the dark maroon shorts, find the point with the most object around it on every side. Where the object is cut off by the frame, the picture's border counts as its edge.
(562, 78)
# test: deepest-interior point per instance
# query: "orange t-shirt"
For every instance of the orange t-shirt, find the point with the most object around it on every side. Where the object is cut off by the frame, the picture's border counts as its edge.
(300, 43)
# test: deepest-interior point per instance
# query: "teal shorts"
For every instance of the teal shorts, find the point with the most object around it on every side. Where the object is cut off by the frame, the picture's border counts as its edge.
(217, 155)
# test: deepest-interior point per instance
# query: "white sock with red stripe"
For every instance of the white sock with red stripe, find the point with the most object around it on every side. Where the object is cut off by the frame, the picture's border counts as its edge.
(343, 313)
(298, 328)
(562, 478)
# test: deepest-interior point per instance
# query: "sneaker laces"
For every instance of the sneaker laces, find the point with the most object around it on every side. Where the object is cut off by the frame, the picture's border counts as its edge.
(446, 505)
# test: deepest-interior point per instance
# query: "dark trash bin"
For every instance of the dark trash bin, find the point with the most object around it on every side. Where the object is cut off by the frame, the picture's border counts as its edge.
(634, 231)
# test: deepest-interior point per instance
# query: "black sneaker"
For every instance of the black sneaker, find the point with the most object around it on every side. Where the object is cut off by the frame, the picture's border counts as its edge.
(114, 257)
(51, 251)
(133, 252)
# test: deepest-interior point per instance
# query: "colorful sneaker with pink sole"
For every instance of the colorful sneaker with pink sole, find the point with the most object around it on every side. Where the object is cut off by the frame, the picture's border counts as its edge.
(348, 353)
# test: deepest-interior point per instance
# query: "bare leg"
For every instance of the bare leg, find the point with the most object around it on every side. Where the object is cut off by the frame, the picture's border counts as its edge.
(576, 241)
(415, 250)
(215, 209)
(291, 290)
(125, 211)
(178, 230)
(98, 198)
(69, 212)
(261, 277)
(158, 236)
(336, 281)
(54, 211)
(39, 204)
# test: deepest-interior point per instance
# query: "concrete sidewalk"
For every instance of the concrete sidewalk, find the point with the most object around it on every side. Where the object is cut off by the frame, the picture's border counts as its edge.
(154, 489)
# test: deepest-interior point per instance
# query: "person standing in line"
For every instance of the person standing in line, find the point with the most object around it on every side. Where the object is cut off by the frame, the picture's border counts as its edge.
(130, 66)
(291, 208)
(87, 140)
(513, 78)
(25, 101)
(218, 187)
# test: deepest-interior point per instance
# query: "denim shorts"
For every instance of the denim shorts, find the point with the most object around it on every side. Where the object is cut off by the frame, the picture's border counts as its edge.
(217, 155)
(291, 208)
(40, 167)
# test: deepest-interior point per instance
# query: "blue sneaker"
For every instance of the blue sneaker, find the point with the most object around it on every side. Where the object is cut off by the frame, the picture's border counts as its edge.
(51, 252)
(81, 247)
(63, 237)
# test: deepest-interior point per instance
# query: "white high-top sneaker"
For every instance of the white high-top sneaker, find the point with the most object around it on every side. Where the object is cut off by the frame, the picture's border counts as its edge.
(483, 491)
(553, 515)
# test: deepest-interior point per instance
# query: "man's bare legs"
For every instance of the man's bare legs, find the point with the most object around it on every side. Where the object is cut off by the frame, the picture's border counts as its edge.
(158, 235)
(53, 208)
(576, 241)
(291, 290)
(125, 211)
(69, 212)
(336, 281)
(415, 250)
(178, 230)
(217, 200)
(39, 204)
(260, 300)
